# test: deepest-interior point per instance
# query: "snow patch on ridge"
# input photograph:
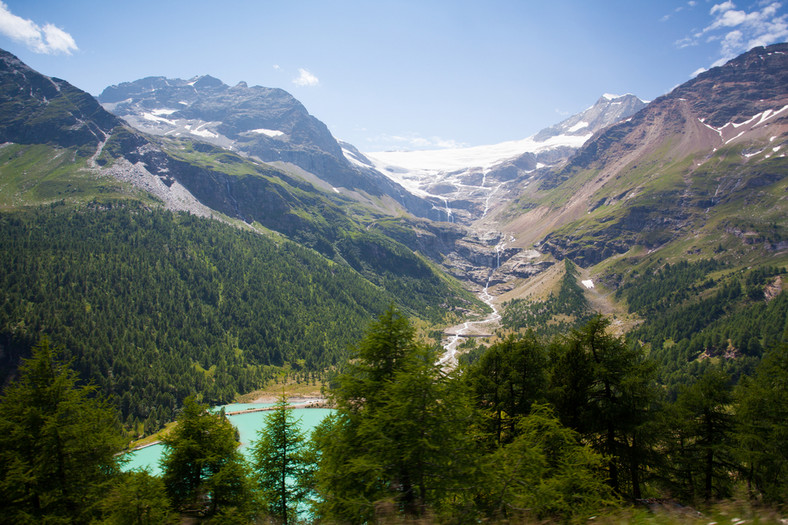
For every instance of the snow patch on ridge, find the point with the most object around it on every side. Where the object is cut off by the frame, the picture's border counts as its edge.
(728, 131)
(201, 132)
(267, 132)
(578, 127)
(154, 117)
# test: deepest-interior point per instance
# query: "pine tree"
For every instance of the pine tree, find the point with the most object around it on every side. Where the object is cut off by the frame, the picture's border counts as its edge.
(398, 441)
(202, 466)
(604, 389)
(697, 447)
(762, 427)
(280, 463)
(138, 498)
(58, 444)
(546, 472)
(506, 380)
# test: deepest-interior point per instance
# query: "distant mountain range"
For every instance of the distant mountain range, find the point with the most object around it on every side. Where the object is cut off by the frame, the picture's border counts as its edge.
(621, 189)
(586, 187)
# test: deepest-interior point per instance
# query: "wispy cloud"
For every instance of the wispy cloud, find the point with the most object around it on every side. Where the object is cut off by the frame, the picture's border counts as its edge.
(679, 9)
(305, 79)
(48, 39)
(737, 30)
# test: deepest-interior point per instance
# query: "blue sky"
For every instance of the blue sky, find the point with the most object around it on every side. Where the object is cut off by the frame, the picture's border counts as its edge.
(399, 74)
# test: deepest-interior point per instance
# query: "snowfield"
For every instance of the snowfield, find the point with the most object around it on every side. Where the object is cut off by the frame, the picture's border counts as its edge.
(453, 159)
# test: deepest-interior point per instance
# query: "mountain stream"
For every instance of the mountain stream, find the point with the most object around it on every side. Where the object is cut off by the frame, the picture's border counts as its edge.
(449, 357)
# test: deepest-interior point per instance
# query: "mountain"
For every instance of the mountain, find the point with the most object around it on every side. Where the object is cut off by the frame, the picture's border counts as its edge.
(263, 123)
(139, 251)
(186, 173)
(677, 218)
(468, 181)
(702, 165)
(41, 110)
(608, 110)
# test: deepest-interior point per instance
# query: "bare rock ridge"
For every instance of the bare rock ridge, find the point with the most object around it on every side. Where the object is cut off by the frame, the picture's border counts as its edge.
(38, 109)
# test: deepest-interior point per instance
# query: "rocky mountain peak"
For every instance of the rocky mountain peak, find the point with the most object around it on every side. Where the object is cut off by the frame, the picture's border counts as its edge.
(723, 97)
(265, 122)
(607, 110)
(744, 86)
(206, 81)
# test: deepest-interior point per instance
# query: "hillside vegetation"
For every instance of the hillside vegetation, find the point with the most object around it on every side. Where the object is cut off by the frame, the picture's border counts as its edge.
(154, 306)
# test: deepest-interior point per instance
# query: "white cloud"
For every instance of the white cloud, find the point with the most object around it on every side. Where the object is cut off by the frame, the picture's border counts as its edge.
(725, 6)
(48, 39)
(305, 79)
(738, 31)
(276, 67)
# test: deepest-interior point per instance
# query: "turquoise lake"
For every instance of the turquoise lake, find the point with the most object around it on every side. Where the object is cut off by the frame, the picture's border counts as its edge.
(247, 425)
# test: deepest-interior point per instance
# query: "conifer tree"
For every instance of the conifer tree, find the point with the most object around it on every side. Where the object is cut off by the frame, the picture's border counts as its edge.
(506, 380)
(398, 442)
(58, 444)
(698, 439)
(203, 469)
(604, 389)
(280, 464)
(138, 498)
(762, 427)
(546, 472)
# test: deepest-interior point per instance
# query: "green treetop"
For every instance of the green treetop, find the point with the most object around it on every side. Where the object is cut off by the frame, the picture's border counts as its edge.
(280, 463)
(203, 469)
(58, 444)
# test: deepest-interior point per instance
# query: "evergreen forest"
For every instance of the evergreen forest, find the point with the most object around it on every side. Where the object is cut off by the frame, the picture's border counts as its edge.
(153, 306)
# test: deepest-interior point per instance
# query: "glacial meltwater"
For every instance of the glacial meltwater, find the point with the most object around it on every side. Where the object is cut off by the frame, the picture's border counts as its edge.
(247, 424)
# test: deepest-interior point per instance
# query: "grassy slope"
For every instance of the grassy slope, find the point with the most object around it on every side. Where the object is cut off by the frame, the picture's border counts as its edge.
(729, 206)
(31, 175)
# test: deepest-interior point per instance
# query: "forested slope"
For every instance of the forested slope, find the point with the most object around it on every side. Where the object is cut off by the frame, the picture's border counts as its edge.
(153, 306)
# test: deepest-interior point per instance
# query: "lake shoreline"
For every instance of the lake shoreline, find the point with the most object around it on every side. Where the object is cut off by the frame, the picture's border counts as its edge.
(312, 401)
(293, 403)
